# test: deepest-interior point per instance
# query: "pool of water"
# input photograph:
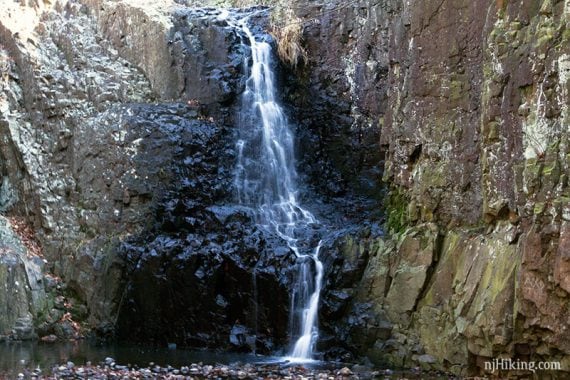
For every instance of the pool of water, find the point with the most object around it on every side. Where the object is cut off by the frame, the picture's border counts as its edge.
(15, 356)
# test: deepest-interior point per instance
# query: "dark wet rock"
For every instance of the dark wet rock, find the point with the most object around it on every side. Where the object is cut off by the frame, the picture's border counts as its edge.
(241, 338)
(209, 48)
(208, 280)
(339, 96)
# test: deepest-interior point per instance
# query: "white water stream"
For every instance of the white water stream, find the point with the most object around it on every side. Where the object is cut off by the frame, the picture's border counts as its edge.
(265, 178)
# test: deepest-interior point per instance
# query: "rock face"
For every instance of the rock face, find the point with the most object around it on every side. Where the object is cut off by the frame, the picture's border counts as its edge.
(340, 96)
(470, 100)
(212, 277)
(23, 297)
(123, 162)
(67, 160)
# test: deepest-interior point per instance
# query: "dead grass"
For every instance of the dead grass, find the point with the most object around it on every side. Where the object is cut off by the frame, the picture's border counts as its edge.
(287, 29)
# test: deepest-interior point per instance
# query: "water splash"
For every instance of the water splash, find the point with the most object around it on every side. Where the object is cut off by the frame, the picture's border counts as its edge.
(265, 178)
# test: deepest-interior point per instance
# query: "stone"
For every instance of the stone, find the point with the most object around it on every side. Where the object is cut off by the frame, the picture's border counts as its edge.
(426, 359)
(415, 253)
(21, 303)
(345, 371)
(49, 338)
(562, 266)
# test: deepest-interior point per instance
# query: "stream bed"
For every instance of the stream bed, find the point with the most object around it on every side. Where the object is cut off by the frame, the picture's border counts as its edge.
(36, 357)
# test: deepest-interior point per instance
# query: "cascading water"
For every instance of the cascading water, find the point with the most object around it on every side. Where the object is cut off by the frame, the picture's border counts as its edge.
(303, 348)
(265, 178)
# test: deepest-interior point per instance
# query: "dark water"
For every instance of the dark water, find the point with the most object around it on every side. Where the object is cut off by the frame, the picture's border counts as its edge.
(15, 356)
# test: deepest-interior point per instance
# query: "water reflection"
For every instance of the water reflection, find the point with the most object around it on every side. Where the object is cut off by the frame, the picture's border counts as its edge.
(16, 356)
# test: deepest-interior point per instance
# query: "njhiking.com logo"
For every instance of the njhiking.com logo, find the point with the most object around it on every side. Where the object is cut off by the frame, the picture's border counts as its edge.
(503, 364)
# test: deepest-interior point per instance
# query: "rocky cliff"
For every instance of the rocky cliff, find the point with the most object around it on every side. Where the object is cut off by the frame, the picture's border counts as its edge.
(470, 103)
(454, 112)
(117, 145)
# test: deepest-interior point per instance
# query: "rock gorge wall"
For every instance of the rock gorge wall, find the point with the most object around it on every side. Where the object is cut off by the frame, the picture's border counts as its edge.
(457, 109)
(67, 163)
(118, 139)
(470, 103)
(93, 146)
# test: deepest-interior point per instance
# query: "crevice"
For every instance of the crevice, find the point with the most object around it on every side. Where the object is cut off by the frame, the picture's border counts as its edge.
(430, 278)
(416, 153)
(387, 285)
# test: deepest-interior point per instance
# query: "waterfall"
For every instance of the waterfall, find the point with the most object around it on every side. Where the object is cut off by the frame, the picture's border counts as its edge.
(303, 348)
(265, 179)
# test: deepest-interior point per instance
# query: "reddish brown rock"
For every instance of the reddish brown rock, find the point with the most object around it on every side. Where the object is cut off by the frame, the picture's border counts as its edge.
(562, 265)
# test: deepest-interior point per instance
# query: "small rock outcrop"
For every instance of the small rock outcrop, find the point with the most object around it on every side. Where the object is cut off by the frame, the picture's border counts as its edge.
(23, 298)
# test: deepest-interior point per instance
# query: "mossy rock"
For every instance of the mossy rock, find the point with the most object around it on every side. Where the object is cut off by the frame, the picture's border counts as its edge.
(396, 205)
(539, 208)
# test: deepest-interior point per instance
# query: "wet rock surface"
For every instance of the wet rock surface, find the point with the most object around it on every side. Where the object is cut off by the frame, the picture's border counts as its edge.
(339, 95)
(213, 275)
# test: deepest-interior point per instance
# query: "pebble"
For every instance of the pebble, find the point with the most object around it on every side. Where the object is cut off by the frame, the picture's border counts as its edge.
(194, 370)
(107, 370)
(49, 338)
(345, 371)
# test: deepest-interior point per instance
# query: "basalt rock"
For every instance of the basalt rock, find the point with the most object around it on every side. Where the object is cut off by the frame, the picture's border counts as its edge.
(461, 107)
(207, 280)
(85, 155)
(468, 100)
(24, 297)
